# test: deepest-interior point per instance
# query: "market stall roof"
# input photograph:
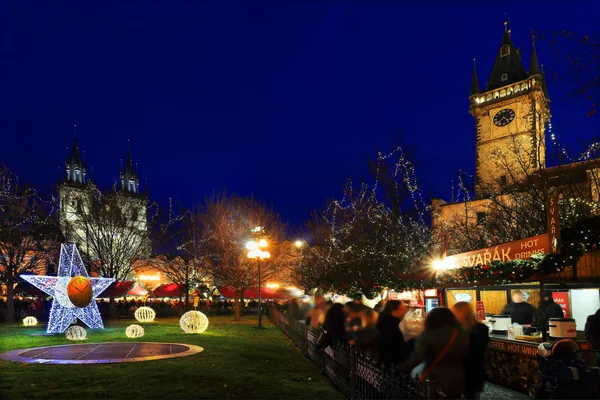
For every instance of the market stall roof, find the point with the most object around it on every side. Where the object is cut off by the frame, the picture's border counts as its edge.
(124, 288)
(252, 293)
(171, 290)
(137, 290)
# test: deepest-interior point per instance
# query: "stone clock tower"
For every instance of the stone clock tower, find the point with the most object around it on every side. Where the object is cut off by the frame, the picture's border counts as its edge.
(510, 117)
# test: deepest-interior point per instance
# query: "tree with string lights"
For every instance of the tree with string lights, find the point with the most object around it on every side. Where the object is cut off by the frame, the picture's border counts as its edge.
(374, 233)
(221, 230)
(173, 237)
(513, 206)
(29, 230)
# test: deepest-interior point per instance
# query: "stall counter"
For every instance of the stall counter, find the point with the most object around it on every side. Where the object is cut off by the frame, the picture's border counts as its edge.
(511, 363)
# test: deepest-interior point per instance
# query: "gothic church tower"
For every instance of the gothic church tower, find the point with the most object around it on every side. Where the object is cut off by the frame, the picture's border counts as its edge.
(72, 186)
(510, 117)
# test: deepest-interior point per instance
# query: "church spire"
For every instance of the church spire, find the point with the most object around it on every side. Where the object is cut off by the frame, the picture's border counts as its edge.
(130, 182)
(474, 81)
(534, 66)
(508, 67)
(75, 169)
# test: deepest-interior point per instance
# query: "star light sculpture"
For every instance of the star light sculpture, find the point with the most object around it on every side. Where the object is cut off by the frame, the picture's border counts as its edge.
(63, 311)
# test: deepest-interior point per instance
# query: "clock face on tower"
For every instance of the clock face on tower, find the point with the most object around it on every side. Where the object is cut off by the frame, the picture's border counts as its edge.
(504, 117)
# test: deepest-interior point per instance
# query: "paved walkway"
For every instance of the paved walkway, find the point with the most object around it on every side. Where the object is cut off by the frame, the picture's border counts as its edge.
(101, 353)
(492, 391)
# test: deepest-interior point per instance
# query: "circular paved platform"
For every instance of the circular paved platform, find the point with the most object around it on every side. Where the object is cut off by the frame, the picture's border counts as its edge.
(101, 353)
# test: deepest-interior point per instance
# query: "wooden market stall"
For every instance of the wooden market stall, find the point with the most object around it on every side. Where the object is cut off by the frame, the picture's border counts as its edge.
(511, 362)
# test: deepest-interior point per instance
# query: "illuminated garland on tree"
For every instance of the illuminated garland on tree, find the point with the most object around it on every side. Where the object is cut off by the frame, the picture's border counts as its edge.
(371, 239)
(343, 256)
(575, 242)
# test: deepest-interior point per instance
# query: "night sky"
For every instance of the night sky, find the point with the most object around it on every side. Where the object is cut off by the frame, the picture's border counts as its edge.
(280, 99)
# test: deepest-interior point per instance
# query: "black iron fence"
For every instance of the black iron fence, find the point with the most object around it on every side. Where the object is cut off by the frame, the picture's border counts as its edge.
(357, 375)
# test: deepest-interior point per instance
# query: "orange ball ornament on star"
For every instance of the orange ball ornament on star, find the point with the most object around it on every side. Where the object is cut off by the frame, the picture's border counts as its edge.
(79, 290)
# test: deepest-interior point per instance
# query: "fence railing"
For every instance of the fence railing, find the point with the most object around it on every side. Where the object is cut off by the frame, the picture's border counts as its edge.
(357, 375)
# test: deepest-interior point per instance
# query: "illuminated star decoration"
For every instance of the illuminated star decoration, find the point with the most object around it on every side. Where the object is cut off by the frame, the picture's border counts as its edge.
(63, 312)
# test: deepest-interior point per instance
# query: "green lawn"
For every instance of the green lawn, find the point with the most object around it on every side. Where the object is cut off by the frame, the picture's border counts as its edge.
(238, 361)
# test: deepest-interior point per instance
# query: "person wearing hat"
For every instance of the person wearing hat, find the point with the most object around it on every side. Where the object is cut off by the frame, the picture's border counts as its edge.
(547, 309)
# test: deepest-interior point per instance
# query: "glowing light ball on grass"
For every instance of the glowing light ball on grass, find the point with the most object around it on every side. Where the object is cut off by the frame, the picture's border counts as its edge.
(29, 321)
(79, 290)
(145, 314)
(76, 333)
(193, 322)
(134, 331)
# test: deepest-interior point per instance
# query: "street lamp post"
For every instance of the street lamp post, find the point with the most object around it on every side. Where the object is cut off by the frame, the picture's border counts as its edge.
(258, 254)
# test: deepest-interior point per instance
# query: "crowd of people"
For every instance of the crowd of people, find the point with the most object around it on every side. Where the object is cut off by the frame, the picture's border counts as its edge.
(450, 349)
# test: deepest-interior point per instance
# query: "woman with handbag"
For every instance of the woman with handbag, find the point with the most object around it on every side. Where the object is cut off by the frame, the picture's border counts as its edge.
(442, 347)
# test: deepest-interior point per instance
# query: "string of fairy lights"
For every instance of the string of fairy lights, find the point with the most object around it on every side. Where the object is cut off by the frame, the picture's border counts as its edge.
(359, 204)
(368, 240)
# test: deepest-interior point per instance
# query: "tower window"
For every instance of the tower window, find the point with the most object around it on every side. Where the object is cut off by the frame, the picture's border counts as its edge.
(503, 179)
(481, 218)
(504, 50)
(504, 77)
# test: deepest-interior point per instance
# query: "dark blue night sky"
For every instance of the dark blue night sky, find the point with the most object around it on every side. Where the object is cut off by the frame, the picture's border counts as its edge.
(280, 99)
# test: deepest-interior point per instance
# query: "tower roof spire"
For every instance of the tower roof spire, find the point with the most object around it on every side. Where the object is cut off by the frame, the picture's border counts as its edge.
(474, 80)
(75, 165)
(508, 67)
(534, 65)
(129, 175)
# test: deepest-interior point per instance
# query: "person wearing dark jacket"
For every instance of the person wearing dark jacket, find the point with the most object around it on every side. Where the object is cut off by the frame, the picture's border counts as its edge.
(392, 347)
(333, 326)
(479, 339)
(547, 309)
(520, 312)
(294, 310)
(592, 334)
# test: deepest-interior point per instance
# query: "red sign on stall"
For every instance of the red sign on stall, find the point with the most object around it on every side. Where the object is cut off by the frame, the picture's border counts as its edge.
(562, 299)
(480, 310)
